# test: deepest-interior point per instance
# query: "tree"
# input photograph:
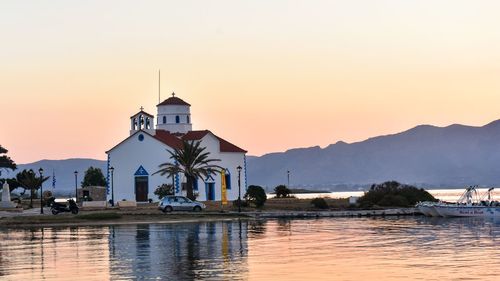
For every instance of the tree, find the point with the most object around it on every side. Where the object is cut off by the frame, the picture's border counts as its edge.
(93, 177)
(319, 203)
(164, 190)
(5, 161)
(256, 195)
(394, 194)
(29, 180)
(282, 191)
(192, 161)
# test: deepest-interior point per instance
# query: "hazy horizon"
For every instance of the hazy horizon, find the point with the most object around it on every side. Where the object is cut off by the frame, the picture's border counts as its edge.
(267, 76)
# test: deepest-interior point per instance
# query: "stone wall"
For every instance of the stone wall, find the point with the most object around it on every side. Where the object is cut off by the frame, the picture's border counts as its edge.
(97, 193)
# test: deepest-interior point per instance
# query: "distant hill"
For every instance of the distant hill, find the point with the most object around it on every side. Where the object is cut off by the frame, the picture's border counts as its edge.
(452, 156)
(64, 171)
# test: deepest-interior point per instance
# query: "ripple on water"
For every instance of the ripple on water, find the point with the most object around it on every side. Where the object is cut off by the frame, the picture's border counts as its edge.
(308, 249)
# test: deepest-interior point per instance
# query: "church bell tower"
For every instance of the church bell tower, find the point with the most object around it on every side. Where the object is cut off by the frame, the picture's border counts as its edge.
(174, 115)
(142, 121)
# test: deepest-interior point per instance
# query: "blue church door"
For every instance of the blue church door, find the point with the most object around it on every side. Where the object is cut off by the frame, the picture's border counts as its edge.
(210, 190)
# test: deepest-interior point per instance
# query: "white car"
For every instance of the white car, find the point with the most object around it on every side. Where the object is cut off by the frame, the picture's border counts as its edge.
(179, 203)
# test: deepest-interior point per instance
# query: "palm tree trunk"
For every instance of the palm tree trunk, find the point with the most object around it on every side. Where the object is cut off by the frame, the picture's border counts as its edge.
(189, 187)
(31, 198)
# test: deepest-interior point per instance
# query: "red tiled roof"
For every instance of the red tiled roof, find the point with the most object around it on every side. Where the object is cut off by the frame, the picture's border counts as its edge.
(224, 145)
(175, 142)
(195, 135)
(167, 138)
(174, 101)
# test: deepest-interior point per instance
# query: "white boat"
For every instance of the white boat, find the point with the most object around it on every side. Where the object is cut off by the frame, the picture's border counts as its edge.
(469, 205)
(467, 211)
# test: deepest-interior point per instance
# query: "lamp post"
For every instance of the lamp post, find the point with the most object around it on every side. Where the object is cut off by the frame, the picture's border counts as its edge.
(239, 188)
(288, 178)
(76, 186)
(41, 190)
(112, 170)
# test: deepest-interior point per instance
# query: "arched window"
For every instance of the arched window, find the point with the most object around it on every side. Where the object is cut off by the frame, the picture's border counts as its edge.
(177, 119)
(188, 119)
(164, 119)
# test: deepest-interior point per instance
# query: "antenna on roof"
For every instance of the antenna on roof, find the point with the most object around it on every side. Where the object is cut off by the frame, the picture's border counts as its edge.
(159, 88)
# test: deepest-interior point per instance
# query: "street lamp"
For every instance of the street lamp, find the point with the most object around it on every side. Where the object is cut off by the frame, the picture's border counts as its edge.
(76, 186)
(288, 178)
(112, 170)
(239, 188)
(41, 190)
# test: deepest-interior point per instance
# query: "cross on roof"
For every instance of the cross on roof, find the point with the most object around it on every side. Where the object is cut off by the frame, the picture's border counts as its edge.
(142, 108)
(173, 94)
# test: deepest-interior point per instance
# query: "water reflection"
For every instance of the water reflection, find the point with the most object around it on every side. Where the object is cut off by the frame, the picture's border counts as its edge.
(179, 251)
(147, 252)
(410, 248)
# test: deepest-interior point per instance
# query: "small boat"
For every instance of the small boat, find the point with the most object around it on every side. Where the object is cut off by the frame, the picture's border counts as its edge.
(469, 205)
(468, 211)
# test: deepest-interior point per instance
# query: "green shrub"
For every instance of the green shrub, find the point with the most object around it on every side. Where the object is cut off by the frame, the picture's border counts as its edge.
(99, 216)
(319, 203)
(164, 190)
(243, 203)
(391, 200)
(394, 194)
(256, 195)
(282, 191)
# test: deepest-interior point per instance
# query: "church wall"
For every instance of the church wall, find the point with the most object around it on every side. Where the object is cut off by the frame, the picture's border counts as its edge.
(173, 109)
(128, 157)
(230, 161)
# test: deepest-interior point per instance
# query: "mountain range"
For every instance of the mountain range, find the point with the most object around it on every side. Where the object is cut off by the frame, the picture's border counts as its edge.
(427, 156)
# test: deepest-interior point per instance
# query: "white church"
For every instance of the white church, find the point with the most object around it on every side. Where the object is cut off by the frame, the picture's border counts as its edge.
(132, 162)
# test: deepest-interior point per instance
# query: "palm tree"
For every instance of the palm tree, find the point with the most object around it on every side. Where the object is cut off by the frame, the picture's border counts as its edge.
(191, 160)
(29, 180)
(5, 161)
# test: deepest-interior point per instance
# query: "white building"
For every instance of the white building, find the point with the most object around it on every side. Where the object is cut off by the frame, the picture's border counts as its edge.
(137, 158)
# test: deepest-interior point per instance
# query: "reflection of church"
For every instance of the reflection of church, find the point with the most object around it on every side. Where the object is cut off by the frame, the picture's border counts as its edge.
(179, 251)
(135, 159)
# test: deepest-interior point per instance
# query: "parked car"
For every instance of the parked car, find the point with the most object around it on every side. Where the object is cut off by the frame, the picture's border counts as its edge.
(179, 203)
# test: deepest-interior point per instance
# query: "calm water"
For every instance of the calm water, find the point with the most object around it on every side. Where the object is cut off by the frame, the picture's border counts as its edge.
(322, 249)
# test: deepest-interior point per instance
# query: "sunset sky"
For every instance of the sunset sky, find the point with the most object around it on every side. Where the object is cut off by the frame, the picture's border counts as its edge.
(265, 75)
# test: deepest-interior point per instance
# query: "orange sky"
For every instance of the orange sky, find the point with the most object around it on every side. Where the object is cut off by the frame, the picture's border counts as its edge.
(266, 75)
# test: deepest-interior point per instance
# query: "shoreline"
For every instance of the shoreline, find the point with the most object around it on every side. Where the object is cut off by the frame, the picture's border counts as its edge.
(127, 218)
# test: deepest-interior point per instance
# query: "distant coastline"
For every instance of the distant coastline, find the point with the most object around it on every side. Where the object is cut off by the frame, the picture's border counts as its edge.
(307, 191)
